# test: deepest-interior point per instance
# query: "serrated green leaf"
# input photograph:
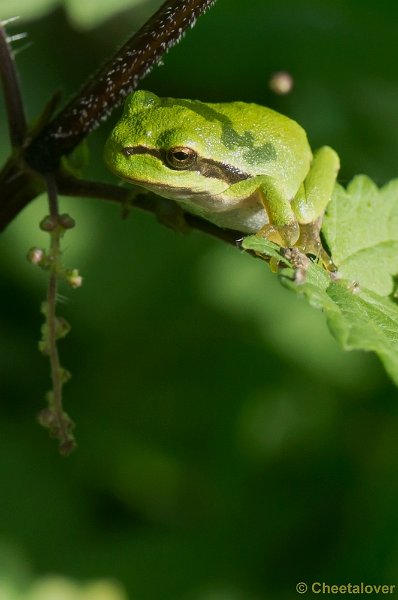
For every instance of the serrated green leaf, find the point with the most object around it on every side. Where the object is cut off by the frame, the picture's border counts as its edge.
(358, 318)
(361, 230)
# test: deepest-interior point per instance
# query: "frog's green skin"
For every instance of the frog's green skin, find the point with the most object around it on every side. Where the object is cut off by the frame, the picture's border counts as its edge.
(241, 166)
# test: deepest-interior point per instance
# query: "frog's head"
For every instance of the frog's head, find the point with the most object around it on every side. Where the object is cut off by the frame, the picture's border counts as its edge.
(172, 147)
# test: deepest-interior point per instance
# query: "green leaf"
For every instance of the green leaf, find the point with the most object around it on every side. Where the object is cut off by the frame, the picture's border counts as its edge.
(361, 229)
(358, 318)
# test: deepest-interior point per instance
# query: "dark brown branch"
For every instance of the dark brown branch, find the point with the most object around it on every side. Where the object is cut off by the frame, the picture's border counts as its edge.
(18, 187)
(70, 186)
(20, 182)
(12, 92)
(106, 90)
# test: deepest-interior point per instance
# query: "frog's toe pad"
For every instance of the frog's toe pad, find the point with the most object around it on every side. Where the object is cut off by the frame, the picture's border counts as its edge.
(283, 235)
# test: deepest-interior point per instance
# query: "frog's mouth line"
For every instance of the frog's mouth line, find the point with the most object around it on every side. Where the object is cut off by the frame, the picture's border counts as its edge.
(207, 167)
(183, 191)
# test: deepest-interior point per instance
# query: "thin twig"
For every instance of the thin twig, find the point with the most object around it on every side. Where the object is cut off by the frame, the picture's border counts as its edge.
(51, 307)
(71, 186)
(12, 92)
(59, 423)
(120, 76)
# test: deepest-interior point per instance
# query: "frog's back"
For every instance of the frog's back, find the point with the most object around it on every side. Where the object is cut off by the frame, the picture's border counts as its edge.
(253, 139)
(267, 141)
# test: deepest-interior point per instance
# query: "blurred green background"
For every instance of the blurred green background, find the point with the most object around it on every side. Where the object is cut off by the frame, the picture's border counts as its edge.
(227, 448)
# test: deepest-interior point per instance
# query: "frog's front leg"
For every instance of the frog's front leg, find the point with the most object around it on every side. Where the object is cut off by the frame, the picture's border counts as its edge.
(283, 227)
(311, 200)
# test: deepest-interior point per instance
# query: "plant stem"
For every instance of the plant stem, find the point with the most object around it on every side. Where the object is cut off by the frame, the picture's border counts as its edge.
(61, 423)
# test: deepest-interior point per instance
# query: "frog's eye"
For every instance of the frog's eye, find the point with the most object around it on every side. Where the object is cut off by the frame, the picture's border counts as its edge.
(181, 157)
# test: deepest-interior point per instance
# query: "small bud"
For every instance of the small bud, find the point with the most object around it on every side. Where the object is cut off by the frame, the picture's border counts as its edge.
(66, 221)
(281, 83)
(74, 279)
(49, 223)
(36, 256)
(43, 347)
(64, 375)
(46, 418)
(62, 327)
(67, 447)
(44, 308)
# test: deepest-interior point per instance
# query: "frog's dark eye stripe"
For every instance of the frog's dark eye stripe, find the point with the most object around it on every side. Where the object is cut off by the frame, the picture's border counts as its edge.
(130, 150)
(220, 170)
(182, 158)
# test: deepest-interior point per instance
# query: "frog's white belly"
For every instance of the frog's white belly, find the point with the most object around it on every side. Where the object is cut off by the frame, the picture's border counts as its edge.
(247, 216)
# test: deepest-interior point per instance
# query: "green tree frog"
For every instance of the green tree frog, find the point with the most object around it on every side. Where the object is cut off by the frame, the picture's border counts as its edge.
(241, 166)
